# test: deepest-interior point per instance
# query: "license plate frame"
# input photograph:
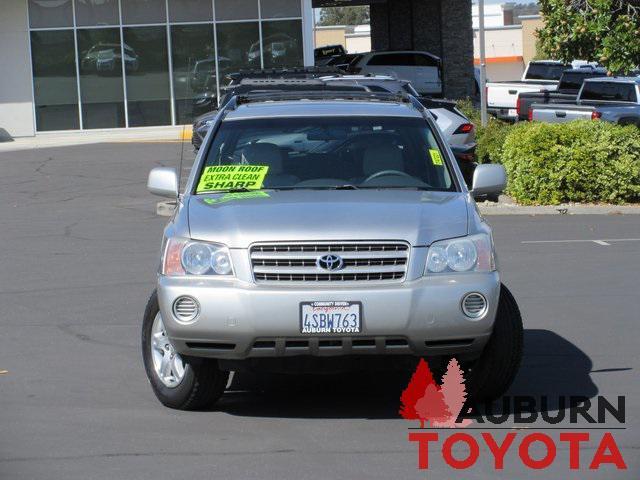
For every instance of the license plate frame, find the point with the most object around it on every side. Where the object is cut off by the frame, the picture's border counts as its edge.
(332, 325)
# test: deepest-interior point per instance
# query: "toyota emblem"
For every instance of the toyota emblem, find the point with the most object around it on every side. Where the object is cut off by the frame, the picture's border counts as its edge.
(330, 262)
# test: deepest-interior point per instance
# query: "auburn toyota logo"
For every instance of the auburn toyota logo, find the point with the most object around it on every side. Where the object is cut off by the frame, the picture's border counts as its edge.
(330, 262)
(442, 410)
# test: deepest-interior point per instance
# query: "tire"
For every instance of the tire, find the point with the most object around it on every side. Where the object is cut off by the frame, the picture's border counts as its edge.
(493, 373)
(202, 383)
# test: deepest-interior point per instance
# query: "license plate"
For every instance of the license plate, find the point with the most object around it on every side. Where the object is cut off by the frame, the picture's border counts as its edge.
(513, 112)
(330, 317)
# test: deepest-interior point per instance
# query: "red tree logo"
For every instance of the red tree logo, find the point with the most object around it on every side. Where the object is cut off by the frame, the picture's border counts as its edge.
(426, 401)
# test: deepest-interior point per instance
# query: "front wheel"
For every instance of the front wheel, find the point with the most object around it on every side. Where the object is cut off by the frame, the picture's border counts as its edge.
(493, 373)
(183, 383)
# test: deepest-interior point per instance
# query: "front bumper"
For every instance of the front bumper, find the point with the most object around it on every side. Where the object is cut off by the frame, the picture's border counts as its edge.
(240, 320)
(507, 114)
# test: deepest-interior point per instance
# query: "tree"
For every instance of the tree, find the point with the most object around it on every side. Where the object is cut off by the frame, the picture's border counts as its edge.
(344, 16)
(454, 393)
(431, 407)
(604, 31)
(420, 379)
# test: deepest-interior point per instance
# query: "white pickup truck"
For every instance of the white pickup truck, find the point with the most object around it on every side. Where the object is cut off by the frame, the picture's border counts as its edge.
(540, 76)
(611, 99)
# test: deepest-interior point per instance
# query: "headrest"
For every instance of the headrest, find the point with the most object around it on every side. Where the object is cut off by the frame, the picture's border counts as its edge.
(383, 157)
(264, 154)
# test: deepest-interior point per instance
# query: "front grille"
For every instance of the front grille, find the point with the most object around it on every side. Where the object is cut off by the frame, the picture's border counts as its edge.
(361, 262)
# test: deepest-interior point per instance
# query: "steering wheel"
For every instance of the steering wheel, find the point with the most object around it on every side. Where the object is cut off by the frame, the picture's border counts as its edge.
(385, 173)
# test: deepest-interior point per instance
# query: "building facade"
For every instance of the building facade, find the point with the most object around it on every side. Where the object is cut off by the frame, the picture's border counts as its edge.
(101, 64)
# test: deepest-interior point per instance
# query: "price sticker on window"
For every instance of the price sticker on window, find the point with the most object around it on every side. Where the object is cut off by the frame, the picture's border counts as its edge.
(436, 157)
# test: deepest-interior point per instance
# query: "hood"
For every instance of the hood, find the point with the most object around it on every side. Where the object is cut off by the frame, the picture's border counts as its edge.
(240, 219)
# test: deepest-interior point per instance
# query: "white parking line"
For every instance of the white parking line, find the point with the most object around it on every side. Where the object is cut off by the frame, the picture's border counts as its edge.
(606, 241)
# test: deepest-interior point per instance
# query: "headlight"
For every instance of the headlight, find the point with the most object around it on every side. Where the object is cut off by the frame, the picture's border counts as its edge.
(184, 257)
(468, 254)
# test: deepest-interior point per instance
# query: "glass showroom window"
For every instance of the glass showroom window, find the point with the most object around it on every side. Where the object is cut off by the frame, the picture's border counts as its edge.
(238, 47)
(118, 63)
(147, 76)
(54, 80)
(48, 14)
(194, 71)
(282, 43)
(101, 90)
(97, 12)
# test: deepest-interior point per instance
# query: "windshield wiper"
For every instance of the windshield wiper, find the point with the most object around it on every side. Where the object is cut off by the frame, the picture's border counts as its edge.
(346, 186)
(390, 187)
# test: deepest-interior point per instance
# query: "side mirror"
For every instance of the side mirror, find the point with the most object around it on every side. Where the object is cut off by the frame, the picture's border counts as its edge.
(489, 179)
(163, 181)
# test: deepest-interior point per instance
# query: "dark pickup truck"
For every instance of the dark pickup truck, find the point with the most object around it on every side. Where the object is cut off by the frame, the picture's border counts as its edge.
(568, 88)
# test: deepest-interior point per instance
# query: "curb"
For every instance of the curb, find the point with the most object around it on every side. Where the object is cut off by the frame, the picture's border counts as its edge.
(185, 133)
(487, 208)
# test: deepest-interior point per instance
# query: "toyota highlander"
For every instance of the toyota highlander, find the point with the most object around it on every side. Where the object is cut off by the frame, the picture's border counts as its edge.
(326, 231)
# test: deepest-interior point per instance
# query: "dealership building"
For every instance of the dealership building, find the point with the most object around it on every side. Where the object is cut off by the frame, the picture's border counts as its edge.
(104, 64)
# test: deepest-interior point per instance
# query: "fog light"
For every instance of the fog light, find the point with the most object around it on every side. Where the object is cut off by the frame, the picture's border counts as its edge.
(186, 309)
(474, 305)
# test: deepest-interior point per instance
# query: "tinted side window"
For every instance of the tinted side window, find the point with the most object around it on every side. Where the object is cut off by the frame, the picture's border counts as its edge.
(574, 80)
(545, 71)
(424, 61)
(392, 59)
(620, 92)
(377, 88)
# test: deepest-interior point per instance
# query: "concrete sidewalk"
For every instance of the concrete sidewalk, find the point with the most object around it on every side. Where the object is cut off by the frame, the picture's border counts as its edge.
(508, 208)
(175, 134)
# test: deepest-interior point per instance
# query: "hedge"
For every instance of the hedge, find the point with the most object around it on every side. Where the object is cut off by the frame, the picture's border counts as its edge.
(489, 139)
(583, 161)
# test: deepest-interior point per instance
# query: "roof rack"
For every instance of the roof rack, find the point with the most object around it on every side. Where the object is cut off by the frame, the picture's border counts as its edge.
(295, 72)
(283, 96)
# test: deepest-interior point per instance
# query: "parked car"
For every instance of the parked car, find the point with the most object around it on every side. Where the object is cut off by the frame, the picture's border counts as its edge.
(612, 99)
(344, 62)
(502, 97)
(106, 58)
(322, 55)
(248, 85)
(422, 69)
(457, 128)
(318, 234)
(568, 88)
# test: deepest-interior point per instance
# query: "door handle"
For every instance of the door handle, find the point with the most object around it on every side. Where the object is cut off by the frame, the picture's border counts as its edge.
(561, 114)
(513, 92)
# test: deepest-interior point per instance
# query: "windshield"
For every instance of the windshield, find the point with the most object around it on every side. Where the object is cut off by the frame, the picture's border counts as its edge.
(325, 153)
(545, 71)
(574, 80)
(609, 91)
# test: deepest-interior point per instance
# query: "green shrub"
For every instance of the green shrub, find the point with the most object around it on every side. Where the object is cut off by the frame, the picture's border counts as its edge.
(573, 162)
(490, 139)
(471, 112)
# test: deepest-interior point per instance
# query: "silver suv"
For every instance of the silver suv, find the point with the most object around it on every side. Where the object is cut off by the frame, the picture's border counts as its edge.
(320, 233)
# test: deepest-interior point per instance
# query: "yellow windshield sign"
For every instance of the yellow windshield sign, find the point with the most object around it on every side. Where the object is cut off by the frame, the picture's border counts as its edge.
(436, 158)
(228, 177)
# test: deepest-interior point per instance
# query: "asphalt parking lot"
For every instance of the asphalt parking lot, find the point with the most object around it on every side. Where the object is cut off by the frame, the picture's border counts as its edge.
(80, 243)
